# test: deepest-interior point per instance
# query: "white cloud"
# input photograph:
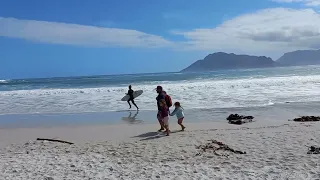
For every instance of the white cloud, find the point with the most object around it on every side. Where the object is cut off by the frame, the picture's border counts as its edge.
(264, 32)
(74, 34)
(306, 2)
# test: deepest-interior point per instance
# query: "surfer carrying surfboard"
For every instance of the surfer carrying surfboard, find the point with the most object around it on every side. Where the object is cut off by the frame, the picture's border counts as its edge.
(130, 94)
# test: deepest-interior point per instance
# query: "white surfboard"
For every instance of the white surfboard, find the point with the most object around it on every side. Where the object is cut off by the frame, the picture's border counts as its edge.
(135, 94)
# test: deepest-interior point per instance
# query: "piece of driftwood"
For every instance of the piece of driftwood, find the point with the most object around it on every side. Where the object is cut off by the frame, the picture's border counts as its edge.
(54, 140)
(215, 146)
(307, 119)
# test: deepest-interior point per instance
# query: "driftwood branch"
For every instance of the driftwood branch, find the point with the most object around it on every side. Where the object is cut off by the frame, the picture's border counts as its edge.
(54, 140)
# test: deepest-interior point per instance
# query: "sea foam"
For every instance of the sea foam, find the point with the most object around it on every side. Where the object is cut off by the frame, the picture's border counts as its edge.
(204, 93)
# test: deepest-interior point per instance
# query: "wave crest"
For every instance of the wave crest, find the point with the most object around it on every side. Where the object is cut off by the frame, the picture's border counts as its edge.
(4, 81)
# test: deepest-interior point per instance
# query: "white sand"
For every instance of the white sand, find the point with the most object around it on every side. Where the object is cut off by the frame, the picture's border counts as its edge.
(274, 151)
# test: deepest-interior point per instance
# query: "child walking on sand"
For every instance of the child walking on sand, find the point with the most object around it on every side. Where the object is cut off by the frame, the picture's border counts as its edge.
(178, 111)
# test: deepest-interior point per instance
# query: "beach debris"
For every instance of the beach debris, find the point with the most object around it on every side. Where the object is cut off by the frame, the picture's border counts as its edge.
(48, 178)
(314, 150)
(239, 119)
(54, 140)
(307, 119)
(214, 146)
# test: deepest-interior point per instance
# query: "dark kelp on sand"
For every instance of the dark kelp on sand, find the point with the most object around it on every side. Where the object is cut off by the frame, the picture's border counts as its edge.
(239, 119)
(213, 146)
(306, 119)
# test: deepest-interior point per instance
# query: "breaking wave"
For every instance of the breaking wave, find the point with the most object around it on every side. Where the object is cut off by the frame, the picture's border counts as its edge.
(198, 93)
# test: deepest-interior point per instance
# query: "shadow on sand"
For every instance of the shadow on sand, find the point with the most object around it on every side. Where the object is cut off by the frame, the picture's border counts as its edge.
(153, 135)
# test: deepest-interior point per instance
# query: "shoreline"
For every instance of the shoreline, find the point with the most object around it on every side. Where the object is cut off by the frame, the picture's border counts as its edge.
(282, 113)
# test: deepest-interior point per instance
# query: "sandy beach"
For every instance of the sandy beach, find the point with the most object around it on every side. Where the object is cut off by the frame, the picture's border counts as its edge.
(274, 150)
(85, 84)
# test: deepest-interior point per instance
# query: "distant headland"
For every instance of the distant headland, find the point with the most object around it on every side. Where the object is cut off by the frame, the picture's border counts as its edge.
(221, 60)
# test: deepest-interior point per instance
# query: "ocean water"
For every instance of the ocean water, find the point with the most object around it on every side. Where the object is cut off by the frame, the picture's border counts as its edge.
(209, 91)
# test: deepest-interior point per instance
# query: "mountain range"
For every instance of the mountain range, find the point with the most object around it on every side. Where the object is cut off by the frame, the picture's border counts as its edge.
(221, 60)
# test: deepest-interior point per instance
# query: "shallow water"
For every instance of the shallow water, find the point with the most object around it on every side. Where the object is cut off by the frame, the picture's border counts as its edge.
(280, 112)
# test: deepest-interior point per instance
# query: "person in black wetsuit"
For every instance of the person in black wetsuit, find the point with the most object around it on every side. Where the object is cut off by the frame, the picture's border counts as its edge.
(130, 93)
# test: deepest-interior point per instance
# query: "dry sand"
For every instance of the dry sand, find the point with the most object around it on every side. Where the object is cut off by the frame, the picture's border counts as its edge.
(273, 151)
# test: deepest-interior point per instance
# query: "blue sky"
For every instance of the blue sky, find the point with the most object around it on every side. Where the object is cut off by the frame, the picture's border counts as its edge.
(40, 38)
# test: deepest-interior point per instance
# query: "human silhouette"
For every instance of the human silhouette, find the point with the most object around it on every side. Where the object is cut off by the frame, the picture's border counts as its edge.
(130, 93)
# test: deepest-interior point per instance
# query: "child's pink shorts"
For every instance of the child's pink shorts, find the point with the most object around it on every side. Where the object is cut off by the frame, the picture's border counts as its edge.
(180, 120)
(165, 120)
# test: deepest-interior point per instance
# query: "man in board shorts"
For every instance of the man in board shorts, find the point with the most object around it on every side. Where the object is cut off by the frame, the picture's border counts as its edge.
(161, 96)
